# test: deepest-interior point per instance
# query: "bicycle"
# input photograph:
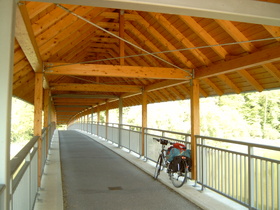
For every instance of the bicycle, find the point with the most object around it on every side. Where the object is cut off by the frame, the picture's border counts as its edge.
(177, 169)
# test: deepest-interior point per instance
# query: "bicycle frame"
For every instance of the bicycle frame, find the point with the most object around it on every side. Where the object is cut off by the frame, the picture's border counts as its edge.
(177, 177)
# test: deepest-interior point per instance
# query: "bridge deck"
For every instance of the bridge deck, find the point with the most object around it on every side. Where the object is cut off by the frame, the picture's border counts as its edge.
(97, 178)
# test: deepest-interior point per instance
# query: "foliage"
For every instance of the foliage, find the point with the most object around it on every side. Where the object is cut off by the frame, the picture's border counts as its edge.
(242, 116)
(22, 121)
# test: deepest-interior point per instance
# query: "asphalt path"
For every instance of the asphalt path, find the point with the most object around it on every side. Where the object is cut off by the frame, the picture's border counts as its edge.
(94, 177)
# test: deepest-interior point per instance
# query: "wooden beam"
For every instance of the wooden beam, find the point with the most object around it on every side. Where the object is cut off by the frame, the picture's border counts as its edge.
(83, 96)
(177, 35)
(250, 79)
(213, 86)
(229, 83)
(25, 37)
(275, 72)
(255, 59)
(204, 35)
(95, 87)
(116, 71)
(237, 35)
(164, 42)
(121, 34)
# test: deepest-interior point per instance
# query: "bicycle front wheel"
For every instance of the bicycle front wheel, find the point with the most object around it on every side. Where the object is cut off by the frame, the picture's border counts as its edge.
(178, 178)
(158, 167)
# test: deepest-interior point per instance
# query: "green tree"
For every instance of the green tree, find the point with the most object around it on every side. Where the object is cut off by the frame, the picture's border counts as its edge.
(22, 121)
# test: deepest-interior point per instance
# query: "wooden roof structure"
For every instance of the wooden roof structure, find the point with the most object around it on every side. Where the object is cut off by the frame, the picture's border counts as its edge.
(96, 52)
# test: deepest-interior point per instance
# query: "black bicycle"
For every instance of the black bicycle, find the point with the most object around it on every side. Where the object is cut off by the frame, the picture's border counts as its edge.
(177, 169)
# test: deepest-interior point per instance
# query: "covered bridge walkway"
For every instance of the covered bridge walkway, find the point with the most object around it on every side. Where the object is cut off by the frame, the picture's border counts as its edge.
(99, 175)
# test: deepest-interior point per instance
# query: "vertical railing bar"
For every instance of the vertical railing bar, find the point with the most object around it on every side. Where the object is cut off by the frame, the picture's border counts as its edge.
(236, 178)
(229, 175)
(266, 177)
(221, 172)
(212, 166)
(250, 173)
(215, 168)
(278, 186)
(226, 172)
(272, 185)
(208, 166)
(202, 162)
(257, 182)
(219, 163)
(246, 178)
(240, 175)
(261, 183)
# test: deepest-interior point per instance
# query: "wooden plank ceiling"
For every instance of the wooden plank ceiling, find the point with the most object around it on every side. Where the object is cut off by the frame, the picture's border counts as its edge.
(86, 64)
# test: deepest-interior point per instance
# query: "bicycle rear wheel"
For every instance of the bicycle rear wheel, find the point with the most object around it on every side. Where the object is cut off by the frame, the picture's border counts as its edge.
(178, 178)
(158, 167)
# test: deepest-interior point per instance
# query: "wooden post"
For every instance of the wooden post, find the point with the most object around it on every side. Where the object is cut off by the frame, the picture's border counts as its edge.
(46, 117)
(195, 124)
(144, 120)
(7, 37)
(121, 34)
(38, 106)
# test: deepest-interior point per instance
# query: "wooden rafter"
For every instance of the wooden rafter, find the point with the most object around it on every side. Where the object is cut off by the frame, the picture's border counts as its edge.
(255, 59)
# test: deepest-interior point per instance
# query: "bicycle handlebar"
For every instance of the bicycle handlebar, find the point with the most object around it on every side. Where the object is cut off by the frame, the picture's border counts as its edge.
(163, 141)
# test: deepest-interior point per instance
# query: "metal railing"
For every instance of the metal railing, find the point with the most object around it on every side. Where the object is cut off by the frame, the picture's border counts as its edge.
(24, 172)
(245, 172)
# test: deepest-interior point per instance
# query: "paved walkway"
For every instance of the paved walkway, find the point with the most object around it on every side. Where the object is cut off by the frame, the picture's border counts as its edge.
(95, 177)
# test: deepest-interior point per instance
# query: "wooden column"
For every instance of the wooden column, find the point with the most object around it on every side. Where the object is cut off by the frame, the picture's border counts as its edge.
(195, 124)
(121, 34)
(47, 117)
(38, 107)
(7, 26)
(144, 120)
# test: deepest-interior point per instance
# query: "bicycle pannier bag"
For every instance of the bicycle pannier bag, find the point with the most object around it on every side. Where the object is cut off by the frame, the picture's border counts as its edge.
(171, 153)
(177, 164)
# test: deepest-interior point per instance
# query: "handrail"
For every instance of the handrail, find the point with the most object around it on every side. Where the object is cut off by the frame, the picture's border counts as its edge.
(2, 188)
(245, 143)
(24, 176)
(17, 160)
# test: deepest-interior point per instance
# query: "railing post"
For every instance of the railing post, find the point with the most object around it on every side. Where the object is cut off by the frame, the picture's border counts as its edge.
(251, 178)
